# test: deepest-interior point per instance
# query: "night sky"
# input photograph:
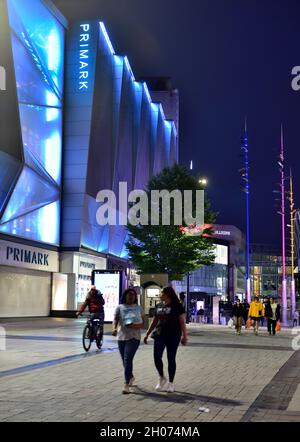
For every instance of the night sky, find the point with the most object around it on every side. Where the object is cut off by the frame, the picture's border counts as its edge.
(228, 58)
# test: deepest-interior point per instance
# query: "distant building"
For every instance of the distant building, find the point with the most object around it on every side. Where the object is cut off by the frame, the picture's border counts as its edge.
(266, 270)
(225, 278)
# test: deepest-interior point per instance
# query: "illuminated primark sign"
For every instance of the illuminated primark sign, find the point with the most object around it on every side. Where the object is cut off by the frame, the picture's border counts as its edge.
(2, 79)
(84, 57)
(28, 256)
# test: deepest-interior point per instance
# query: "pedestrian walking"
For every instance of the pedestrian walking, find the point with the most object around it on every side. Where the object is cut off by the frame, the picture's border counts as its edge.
(246, 307)
(168, 329)
(272, 313)
(200, 314)
(237, 313)
(127, 324)
(256, 311)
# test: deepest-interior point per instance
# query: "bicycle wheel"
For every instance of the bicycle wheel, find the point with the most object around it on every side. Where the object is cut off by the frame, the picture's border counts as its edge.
(99, 336)
(86, 338)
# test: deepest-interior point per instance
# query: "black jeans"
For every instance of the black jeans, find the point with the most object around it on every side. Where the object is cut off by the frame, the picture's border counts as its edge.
(160, 343)
(272, 326)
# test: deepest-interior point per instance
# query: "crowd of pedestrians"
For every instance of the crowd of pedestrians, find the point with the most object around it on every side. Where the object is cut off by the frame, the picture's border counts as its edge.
(253, 315)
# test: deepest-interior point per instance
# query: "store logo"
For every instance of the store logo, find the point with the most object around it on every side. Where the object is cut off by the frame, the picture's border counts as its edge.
(84, 55)
(20, 255)
(2, 79)
(221, 233)
(87, 265)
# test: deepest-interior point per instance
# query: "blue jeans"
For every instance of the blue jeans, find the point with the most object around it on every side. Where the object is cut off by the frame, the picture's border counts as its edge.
(127, 351)
(160, 343)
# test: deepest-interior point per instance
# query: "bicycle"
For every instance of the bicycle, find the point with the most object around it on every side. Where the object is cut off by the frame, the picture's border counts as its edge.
(93, 331)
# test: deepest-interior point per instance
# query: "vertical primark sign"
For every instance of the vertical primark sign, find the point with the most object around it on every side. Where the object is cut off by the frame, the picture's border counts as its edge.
(82, 45)
(81, 57)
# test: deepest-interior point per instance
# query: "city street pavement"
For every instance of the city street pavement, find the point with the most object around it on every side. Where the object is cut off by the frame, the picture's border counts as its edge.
(46, 376)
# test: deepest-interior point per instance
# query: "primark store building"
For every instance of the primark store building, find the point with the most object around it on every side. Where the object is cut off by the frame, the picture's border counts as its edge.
(73, 121)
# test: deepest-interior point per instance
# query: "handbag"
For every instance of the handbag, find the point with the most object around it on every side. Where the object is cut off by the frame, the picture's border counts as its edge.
(248, 323)
(278, 326)
(156, 333)
(230, 323)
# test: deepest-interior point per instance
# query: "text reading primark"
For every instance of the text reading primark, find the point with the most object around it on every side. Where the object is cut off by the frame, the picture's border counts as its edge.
(22, 255)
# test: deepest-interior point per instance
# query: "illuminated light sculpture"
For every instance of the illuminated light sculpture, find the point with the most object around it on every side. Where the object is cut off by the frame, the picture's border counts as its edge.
(246, 188)
(292, 227)
(282, 213)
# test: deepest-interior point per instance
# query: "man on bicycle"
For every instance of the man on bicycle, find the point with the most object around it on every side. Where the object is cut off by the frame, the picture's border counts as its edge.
(95, 302)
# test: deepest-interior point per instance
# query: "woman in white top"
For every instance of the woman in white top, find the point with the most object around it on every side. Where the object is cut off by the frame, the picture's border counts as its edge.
(127, 324)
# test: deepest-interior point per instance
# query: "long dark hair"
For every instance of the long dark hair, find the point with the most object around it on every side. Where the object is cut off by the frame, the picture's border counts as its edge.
(170, 292)
(123, 298)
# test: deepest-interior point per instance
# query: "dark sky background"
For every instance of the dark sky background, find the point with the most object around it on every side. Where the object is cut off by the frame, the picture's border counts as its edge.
(228, 58)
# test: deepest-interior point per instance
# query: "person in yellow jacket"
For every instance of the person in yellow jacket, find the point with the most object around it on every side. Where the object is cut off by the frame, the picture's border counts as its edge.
(256, 312)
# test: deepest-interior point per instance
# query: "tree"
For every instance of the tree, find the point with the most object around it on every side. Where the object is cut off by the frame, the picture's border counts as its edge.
(165, 248)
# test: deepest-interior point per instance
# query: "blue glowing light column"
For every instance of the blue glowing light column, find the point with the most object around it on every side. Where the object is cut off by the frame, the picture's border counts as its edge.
(246, 188)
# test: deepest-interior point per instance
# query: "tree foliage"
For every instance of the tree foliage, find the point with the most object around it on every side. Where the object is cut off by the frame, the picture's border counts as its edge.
(165, 248)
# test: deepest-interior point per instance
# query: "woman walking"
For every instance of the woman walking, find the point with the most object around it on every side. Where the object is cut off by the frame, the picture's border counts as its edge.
(237, 312)
(127, 324)
(272, 313)
(256, 311)
(169, 328)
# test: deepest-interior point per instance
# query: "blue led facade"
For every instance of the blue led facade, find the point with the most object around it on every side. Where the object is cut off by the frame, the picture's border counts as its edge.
(31, 191)
(113, 133)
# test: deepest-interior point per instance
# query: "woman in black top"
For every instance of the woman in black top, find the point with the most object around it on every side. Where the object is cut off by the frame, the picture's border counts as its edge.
(169, 328)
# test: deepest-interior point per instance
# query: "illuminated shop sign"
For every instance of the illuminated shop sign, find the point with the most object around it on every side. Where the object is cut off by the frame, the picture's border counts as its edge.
(18, 255)
(87, 265)
(84, 57)
(23, 255)
(222, 233)
(2, 79)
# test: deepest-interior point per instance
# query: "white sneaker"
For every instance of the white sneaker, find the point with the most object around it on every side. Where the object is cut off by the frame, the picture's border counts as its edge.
(126, 389)
(131, 382)
(171, 387)
(161, 386)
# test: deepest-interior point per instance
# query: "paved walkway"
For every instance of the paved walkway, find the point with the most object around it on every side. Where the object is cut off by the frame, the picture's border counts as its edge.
(46, 376)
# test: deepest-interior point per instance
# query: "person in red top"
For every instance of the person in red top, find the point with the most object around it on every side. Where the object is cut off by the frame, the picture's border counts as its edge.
(95, 302)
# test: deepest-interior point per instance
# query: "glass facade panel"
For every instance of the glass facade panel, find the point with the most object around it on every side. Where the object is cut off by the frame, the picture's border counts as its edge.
(43, 37)
(32, 209)
(41, 131)
(30, 193)
(32, 85)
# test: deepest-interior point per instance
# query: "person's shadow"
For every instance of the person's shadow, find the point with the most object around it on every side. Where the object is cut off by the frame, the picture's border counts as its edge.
(181, 397)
